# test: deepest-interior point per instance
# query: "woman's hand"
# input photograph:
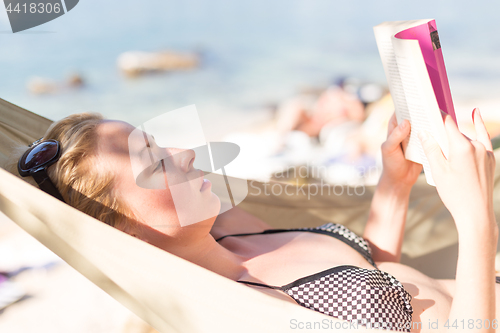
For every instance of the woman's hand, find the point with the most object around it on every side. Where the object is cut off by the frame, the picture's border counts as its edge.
(386, 220)
(397, 170)
(464, 181)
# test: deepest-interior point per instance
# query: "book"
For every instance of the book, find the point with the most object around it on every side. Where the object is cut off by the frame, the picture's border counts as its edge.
(414, 66)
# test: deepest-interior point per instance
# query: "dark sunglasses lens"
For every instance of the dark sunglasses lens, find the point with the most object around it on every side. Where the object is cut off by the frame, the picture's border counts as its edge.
(40, 154)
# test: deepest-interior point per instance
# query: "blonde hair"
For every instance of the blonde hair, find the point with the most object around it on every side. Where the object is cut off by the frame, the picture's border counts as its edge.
(79, 182)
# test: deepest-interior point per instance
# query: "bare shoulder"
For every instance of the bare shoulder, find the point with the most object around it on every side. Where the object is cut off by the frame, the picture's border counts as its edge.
(237, 221)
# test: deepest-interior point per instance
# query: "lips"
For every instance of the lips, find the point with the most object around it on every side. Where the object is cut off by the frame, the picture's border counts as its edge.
(205, 183)
(202, 179)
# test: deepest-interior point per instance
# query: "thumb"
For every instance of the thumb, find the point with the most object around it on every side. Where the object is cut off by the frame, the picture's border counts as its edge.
(432, 151)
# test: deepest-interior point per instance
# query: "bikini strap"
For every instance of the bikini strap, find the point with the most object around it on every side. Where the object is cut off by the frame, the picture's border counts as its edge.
(259, 285)
(268, 231)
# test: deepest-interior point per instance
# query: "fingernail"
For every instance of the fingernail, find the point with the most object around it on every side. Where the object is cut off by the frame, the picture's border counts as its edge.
(403, 124)
(423, 136)
(474, 112)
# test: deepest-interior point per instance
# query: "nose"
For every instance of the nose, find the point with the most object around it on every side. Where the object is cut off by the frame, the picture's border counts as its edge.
(184, 158)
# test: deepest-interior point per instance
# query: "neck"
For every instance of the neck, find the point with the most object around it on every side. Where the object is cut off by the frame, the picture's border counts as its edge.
(209, 254)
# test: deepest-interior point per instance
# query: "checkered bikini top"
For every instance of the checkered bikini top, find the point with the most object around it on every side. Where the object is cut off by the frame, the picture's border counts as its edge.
(369, 297)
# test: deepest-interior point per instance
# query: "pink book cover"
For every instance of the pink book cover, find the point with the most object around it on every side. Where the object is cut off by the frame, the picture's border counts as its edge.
(428, 39)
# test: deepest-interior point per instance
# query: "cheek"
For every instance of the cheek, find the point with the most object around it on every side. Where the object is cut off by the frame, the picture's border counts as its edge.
(149, 198)
(177, 205)
(152, 207)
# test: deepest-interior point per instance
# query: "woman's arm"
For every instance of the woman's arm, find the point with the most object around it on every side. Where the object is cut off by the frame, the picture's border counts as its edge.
(386, 221)
(464, 182)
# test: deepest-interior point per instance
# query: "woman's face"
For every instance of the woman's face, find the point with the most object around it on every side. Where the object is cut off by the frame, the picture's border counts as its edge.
(167, 194)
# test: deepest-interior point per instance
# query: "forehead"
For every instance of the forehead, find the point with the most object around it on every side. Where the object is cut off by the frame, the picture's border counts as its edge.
(119, 143)
(113, 136)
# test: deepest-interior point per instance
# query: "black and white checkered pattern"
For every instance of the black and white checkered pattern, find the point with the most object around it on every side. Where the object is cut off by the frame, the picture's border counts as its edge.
(336, 228)
(370, 297)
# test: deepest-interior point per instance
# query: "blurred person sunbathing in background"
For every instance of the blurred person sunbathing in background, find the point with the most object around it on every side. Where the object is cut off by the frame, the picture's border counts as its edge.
(341, 128)
(344, 101)
(328, 268)
(305, 113)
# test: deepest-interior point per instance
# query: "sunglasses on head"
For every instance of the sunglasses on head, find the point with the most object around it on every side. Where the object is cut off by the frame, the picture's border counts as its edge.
(35, 162)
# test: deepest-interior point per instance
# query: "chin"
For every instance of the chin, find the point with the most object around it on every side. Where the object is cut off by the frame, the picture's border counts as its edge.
(216, 203)
(212, 212)
(198, 212)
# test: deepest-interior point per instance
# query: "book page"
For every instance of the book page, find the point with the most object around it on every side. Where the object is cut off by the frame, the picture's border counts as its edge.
(383, 35)
(411, 88)
(424, 113)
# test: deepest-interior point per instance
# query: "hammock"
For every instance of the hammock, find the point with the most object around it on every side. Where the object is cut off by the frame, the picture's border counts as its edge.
(174, 295)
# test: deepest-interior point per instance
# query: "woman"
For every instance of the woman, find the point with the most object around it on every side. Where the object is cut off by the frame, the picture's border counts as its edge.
(94, 174)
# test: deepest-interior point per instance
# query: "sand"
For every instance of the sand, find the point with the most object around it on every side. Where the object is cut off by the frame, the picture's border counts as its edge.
(58, 298)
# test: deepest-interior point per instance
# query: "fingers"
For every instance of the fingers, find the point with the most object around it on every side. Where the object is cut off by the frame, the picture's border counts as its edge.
(393, 123)
(397, 136)
(452, 129)
(457, 141)
(481, 132)
(432, 151)
(468, 139)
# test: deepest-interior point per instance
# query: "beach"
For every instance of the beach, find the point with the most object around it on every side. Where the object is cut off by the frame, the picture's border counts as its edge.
(245, 60)
(57, 297)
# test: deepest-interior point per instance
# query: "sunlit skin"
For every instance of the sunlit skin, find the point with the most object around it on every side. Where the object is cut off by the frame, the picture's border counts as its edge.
(154, 208)
(278, 259)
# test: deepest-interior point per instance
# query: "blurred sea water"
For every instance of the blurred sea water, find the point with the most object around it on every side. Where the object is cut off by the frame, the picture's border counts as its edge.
(255, 53)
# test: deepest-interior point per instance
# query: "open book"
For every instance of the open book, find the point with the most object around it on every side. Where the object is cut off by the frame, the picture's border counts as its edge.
(414, 66)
